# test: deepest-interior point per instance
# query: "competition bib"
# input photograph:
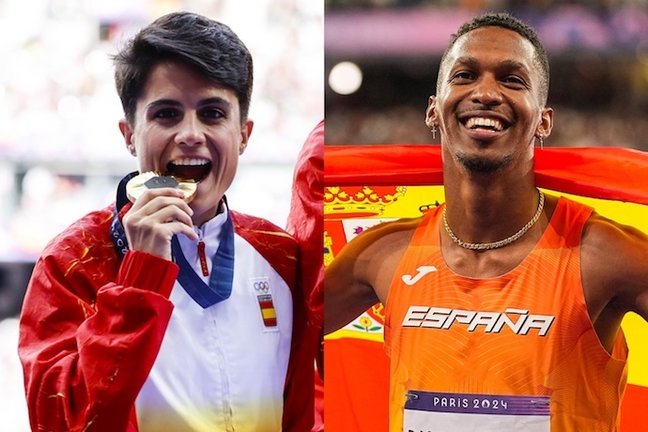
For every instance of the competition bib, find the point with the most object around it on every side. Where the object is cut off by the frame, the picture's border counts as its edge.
(460, 412)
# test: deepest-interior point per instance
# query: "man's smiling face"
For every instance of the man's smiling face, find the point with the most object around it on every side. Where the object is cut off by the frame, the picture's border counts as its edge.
(188, 127)
(489, 105)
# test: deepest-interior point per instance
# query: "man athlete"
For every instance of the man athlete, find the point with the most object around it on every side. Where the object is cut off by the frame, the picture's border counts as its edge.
(503, 305)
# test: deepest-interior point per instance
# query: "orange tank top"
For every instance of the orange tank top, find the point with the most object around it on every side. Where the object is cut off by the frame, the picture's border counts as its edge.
(516, 352)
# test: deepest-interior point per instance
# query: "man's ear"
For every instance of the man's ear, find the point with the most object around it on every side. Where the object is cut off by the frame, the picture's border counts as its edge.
(546, 123)
(431, 115)
(246, 131)
(127, 133)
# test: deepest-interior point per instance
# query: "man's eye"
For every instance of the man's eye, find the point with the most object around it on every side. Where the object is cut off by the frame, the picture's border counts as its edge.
(514, 80)
(463, 76)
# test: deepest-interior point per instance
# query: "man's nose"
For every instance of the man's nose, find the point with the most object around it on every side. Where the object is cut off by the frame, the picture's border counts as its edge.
(487, 91)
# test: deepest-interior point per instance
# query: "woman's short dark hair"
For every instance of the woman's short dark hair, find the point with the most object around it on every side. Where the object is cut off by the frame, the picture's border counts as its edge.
(209, 47)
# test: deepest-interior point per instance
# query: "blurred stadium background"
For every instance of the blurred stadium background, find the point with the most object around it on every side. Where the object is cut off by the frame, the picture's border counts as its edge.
(598, 53)
(61, 153)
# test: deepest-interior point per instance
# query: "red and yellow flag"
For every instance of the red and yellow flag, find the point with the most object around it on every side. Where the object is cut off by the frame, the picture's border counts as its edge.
(366, 185)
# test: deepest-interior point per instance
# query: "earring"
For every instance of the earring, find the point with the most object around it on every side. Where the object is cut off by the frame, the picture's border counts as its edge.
(541, 142)
(433, 130)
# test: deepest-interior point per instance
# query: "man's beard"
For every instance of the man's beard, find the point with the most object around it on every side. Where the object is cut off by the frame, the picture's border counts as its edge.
(482, 164)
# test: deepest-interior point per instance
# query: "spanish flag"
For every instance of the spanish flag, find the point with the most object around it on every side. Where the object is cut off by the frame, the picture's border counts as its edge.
(366, 185)
(268, 312)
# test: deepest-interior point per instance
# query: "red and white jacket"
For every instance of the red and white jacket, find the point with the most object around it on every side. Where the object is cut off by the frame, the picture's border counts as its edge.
(92, 325)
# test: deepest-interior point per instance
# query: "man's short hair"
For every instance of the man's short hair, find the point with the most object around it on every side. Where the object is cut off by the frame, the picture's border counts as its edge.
(208, 47)
(507, 21)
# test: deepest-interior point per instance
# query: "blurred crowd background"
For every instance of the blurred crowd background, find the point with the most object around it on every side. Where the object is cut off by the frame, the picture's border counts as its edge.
(598, 53)
(61, 153)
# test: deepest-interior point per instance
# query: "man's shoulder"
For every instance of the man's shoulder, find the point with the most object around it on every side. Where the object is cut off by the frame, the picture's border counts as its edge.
(382, 242)
(607, 233)
(400, 230)
(400, 226)
(613, 251)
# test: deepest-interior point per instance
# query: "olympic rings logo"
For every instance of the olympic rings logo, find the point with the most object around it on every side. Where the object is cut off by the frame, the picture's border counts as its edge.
(262, 286)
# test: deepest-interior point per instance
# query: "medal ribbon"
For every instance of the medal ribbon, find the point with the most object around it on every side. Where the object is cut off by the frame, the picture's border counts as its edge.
(222, 275)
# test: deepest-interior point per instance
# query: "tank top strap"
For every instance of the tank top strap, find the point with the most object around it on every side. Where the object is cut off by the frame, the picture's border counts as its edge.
(427, 232)
(566, 224)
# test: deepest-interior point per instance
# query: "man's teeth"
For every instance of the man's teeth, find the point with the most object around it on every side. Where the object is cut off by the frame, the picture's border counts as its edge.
(475, 122)
(190, 162)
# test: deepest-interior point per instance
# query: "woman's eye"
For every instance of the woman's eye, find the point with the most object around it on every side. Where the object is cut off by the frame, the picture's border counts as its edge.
(167, 113)
(212, 113)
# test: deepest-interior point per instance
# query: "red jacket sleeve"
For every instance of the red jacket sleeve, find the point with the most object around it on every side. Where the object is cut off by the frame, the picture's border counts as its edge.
(305, 223)
(90, 329)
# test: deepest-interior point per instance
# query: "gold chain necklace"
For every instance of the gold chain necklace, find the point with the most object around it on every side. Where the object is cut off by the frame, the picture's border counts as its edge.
(499, 243)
